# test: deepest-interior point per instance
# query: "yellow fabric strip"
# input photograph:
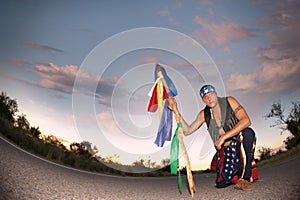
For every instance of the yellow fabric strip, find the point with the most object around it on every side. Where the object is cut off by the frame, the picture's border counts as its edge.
(160, 102)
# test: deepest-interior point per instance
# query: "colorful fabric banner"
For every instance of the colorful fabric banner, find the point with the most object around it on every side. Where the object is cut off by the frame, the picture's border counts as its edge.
(172, 88)
(163, 89)
(153, 103)
(158, 102)
(165, 126)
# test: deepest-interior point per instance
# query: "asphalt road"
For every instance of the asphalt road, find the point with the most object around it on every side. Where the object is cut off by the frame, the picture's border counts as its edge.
(24, 176)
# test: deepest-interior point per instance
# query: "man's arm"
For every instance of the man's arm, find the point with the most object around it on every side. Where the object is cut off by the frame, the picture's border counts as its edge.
(244, 122)
(187, 129)
(195, 125)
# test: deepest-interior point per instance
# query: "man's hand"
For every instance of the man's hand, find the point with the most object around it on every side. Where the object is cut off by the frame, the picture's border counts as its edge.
(227, 143)
(172, 104)
(219, 142)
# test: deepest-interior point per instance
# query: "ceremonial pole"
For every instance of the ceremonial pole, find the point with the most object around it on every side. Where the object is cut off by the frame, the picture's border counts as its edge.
(180, 138)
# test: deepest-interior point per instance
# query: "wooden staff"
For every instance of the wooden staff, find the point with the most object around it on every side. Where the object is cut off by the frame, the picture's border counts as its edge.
(185, 155)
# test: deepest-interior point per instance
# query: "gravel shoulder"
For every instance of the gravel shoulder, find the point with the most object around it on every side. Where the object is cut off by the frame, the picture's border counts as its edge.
(24, 176)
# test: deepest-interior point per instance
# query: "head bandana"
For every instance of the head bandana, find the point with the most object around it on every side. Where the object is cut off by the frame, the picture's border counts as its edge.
(206, 89)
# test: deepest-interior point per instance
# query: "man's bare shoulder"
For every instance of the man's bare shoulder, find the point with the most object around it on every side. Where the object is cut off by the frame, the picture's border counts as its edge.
(231, 99)
(233, 102)
(201, 115)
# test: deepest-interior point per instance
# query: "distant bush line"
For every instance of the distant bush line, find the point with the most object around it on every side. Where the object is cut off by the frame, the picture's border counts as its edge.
(78, 155)
(54, 151)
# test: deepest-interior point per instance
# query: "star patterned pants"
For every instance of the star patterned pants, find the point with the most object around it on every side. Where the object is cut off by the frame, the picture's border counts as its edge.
(235, 159)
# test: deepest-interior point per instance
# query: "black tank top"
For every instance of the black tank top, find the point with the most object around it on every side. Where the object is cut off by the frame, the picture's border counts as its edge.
(229, 119)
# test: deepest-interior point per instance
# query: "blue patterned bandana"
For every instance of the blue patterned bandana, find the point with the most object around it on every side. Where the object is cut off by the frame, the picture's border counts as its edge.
(206, 89)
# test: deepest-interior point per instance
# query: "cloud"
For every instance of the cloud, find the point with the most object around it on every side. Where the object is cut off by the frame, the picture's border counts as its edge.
(105, 89)
(271, 76)
(285, 14)
(62, 78)
(41, 47)
(279, 68)
(151, 59)
(108, 123)
(226, 63)
(26, 63)
(215, 35)
(19, 62)
(167, 14)
(286, 25)
(206, 2)
(56, 78)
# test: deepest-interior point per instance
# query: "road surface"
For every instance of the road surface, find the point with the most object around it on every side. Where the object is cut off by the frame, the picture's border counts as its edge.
(24, 176)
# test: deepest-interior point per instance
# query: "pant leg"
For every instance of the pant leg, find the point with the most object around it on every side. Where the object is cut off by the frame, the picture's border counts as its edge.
(227, 165)
(246, 153)
(222, 177)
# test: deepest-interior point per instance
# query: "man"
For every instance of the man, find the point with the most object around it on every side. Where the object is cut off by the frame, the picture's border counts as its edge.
(228, 125)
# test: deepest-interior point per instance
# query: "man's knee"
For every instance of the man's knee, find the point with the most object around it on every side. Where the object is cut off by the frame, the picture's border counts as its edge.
(248, 134)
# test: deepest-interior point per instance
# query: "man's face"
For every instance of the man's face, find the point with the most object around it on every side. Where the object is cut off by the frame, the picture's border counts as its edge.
(210, 99)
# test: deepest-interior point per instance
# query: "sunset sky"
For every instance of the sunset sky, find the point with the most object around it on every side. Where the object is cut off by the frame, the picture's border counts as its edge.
(82, 70)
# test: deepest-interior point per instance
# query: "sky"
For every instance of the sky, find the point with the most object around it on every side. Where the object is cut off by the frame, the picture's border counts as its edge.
(82, 70)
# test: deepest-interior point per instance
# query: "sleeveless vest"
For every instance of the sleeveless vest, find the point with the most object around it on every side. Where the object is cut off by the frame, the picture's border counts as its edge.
(229, 119)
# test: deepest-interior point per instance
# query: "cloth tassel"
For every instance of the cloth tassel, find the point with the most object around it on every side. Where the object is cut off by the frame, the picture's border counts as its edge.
(160, 101)
(179, 182)
(174, 151)
(172, 88)
(153, 103)
(174, 164)
(165, 126)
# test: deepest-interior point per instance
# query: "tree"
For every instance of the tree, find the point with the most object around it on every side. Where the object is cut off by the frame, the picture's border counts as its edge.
(84, 148)
(265, 153)
(140, 163)
(113, 159)
(290, 123)
(293, 120)
(8, 107)
(35, 132)
(22, 122)
(75, 147)
(165, 162)
(88, 146)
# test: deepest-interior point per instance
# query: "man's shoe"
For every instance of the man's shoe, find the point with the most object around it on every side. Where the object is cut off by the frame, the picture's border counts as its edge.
(238, 184)
(247, 186)
(243, 184)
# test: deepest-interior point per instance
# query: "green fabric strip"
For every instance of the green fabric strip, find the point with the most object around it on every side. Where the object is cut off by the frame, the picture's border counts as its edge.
(174, 151)
(179, 182)
(174, 157)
